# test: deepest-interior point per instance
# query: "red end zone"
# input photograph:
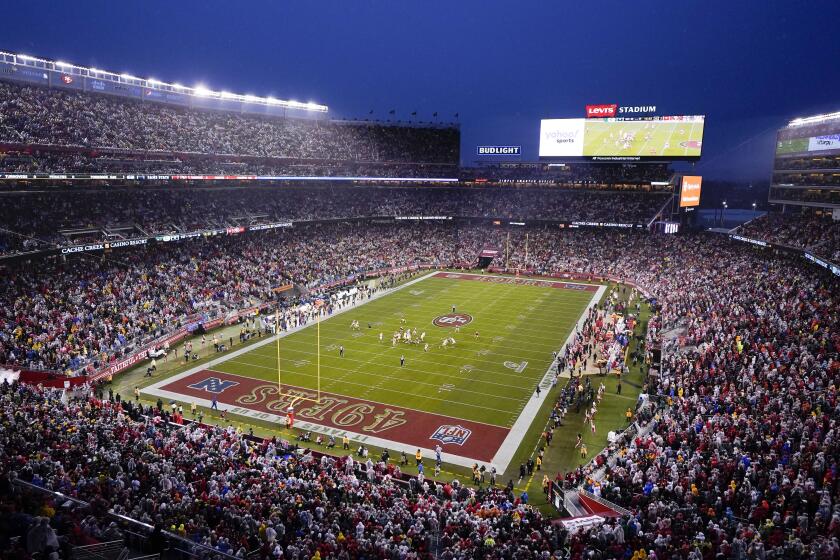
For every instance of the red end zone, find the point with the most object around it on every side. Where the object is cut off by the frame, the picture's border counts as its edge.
(518, 281)
(338, 412)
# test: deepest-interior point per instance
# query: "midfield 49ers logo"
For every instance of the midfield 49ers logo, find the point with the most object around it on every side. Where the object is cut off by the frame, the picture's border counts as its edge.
(452, 320)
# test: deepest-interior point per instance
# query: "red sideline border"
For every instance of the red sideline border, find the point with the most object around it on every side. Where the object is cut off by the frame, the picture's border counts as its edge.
(344, 415)
(365, 421)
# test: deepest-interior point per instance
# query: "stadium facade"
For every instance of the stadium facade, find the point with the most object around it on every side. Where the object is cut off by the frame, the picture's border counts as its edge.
(806, 169)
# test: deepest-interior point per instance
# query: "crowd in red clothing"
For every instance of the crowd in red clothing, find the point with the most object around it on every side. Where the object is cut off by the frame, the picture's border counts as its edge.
(741, 460)
(818, 234)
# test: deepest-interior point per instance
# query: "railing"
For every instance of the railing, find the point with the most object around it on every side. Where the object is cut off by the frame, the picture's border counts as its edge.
(136, 534)
(101, 551)
(606, 503)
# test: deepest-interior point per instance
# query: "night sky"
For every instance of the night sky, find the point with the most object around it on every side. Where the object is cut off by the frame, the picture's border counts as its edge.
(502, 65)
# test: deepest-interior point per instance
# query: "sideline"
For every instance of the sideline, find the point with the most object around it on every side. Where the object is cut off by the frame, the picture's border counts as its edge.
(526, 418)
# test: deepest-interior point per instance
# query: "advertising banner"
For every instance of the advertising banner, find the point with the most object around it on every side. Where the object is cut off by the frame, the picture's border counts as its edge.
(690, 193)
(601, 111)
(827, 142)
(498, 150)
(561, 137)
(24, 74)
(623, 139)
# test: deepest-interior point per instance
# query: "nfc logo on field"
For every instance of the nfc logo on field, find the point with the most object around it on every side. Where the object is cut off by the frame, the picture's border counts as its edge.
(213, 385)
(452, 320)
(448, 433)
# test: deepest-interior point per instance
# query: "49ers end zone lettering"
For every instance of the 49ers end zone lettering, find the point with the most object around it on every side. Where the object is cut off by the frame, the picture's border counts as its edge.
(337, 414)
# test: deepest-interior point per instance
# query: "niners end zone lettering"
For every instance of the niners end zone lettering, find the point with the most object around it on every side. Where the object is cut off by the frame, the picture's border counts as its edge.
(376, 423)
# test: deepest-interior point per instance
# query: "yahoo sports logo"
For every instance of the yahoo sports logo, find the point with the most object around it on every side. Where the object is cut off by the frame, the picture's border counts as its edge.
(452, 320)
(451, 434)
(563, 136)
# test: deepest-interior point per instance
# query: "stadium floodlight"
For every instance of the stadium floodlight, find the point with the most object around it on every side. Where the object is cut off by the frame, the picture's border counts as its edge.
(815, 119)
(199, 90)
(202, 91)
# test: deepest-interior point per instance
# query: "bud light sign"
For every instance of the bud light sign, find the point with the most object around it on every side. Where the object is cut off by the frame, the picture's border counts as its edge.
(499, 150)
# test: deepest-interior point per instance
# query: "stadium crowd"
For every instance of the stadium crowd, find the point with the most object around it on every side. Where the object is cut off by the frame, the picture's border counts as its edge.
(90, 121)
(219, 488)
(740, 461)
(819, 234)
(28, 160)
(37, 220)
(90, 310)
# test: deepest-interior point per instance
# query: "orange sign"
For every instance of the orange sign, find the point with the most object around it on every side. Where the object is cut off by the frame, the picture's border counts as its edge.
(283, 288)
(690, 194)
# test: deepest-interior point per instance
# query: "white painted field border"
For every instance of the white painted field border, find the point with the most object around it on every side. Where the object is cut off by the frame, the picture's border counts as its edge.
(517, 433)
(317, 428)
(503, 456)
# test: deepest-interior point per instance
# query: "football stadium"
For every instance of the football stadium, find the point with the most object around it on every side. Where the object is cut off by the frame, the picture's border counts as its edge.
(342, 298)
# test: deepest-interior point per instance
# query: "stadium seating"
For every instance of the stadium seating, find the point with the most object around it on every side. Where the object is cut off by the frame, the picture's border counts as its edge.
(819, 234)
(39, 219)
(741, 460)
(92, 125)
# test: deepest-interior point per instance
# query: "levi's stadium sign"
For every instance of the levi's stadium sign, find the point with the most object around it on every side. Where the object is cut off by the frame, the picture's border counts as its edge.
(601, 111)
(498, 150)
(614, 110)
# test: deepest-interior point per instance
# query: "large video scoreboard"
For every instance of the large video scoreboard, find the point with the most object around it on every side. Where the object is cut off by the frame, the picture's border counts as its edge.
(623, 139)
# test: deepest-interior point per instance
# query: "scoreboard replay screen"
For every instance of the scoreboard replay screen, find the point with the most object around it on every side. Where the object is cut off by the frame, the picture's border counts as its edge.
(675, 137)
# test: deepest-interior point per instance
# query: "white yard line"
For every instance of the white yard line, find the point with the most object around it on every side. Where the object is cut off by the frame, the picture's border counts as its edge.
(517, 433)
(402, 390)
(505, 452)
(466, 345)
(269, 340)
(406, 368)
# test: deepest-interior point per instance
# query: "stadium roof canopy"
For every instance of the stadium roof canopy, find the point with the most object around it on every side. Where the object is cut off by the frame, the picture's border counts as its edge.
(815, 119)
(150, 83)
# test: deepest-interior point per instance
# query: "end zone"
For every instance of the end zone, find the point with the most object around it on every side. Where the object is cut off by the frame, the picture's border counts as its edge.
(464, 442)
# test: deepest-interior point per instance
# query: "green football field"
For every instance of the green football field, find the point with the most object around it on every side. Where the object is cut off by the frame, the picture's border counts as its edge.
(486, 379)
(643, 138)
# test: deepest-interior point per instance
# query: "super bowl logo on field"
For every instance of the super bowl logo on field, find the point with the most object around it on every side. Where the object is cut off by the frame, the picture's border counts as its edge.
(452, 320)
(448, 433)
